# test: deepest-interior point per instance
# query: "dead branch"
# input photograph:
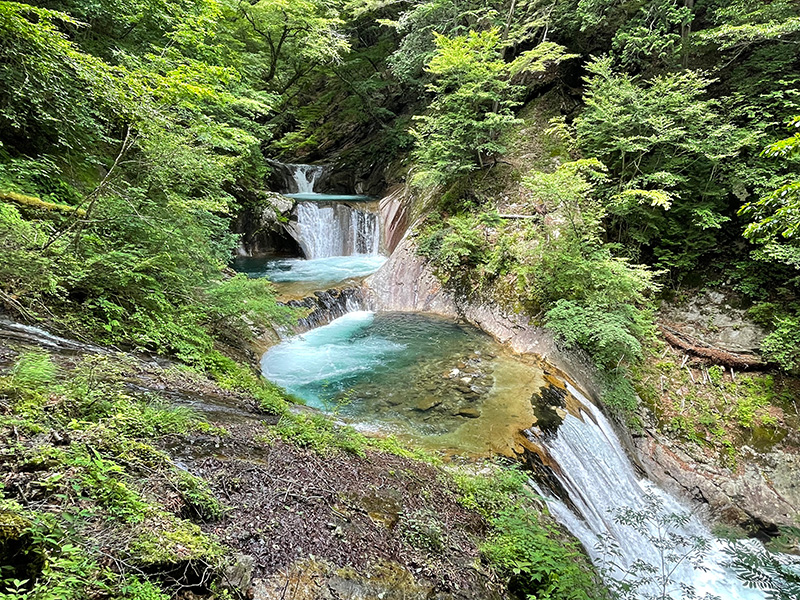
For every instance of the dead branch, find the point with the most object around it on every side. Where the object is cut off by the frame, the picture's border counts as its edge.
(714, 355)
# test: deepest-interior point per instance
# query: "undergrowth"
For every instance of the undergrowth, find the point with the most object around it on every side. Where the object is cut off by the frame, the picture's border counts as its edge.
(524, 546)
(88, 502)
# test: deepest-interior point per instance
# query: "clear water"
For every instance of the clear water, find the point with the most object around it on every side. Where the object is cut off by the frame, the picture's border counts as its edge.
(314, 197)
(323, 271)
(429, 379)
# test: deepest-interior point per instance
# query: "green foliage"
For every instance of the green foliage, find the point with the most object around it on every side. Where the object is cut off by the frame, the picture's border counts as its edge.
(662, 531)
(33, 369)
(62, 569)
(744, 23)
(459, 243)
(523, 547)
(320, 434)
(146, 145)
(776, 216)
(99, 476)
(666, 147)
(775, 574)
(782, 345)
(609, 337)
(136, 589)
(199, 500)
(173, 543)
(608, 315)
(473, 98)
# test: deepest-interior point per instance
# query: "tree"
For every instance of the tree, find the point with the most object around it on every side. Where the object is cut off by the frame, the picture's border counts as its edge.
(659, 576)
(666, 146)
(776, 217)
(299, 35)
(474, 94)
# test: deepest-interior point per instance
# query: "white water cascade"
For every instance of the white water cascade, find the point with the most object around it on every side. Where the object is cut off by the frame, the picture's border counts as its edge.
(329, 225)
(595, 473)
(326, 230)
(306, 177)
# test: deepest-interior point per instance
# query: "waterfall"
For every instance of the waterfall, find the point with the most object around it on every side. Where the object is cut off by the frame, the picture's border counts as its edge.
(591, 466)
(306, 177)
(325, 230)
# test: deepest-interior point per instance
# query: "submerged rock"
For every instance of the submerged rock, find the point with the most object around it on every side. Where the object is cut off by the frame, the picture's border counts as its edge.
(469, 412)
(428, 403)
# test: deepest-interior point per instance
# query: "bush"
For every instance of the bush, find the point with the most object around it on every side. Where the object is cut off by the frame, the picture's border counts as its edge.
(783, 344)
(530, 554)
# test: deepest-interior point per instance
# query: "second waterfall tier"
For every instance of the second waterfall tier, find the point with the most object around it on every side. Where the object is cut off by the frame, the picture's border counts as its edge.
(326, 229)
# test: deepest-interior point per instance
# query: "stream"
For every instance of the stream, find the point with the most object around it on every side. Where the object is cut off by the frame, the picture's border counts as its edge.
(447, 386)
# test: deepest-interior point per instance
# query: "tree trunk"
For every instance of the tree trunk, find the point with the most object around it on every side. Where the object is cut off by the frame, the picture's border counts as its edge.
(686, 32)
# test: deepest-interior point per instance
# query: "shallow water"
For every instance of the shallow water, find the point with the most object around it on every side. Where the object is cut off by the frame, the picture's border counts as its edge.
(314, 197)
(442, 384)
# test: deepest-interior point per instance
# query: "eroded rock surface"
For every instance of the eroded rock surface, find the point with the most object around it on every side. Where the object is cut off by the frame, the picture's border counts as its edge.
(715, 319)
(764, 492)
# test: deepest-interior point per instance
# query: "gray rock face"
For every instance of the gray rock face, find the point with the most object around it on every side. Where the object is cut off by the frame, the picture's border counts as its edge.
(238, 574)
(714, 318)
(313, 579)
(265, 231)
(765, 491)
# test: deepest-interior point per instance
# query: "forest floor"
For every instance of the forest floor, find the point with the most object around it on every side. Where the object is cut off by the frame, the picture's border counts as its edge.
(144, 469)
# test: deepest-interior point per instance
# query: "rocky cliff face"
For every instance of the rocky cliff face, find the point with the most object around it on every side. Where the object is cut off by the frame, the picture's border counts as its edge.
(265, 230)
(762, 494)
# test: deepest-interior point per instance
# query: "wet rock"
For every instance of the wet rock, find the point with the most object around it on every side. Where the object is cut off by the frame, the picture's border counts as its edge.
(238, 573)
(762, 494)
(469, 412)
(428, 403)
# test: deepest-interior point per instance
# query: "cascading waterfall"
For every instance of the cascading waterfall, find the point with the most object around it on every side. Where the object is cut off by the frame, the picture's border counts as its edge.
(327, 225)
(306, 177)
(593, 470)
(326, 230)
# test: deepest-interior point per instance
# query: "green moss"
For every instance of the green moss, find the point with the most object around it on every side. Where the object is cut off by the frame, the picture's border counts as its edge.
(320, 434)
(170, 543)
(197, 496)
(38, 204)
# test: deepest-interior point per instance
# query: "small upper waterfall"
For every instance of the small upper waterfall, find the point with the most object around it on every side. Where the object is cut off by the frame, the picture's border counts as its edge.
(594, 471)
(306, 177)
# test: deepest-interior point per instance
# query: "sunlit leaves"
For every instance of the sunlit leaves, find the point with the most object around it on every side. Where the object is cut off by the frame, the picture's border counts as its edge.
(473, 99)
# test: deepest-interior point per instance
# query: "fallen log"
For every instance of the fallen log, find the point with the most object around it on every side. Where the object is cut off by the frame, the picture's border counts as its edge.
(714, 355)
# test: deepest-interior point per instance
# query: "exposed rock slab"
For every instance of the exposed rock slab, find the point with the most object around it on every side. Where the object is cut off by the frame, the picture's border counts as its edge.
(716, 319)
(312, 579)
(764, 492)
